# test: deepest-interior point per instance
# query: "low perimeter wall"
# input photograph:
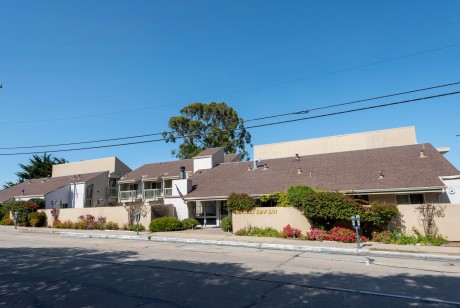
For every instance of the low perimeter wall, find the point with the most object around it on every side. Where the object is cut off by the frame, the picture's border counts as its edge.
(274, 217)
(116, 214)
(279, 217)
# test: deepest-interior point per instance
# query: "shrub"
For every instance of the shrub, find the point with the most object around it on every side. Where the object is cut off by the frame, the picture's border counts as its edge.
(6, 221)
(226, 224)
(134, 227)
(378, 216)
(68, 224)
(318, 235)
(40, 203)
(110, 225)
(337, 234)
(37, 219)
(296, 194)
(325, 209)
(240, 202)
(288, 232)
(275, 199)
(165, 224)
(392, 237)
(255, 231)
(86, 221)
(24, 208)
(189, 223)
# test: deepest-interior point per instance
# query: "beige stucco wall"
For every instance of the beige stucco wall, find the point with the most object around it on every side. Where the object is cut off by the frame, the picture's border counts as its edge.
(274, 217)
(449, 225)
(279, 217)
(350, 142)
(111, 164)
(116, 214)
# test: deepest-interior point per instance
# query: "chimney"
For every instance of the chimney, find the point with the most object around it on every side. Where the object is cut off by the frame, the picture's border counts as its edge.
(299, 171)
(297, 157)
(381, 175)
(265, 167)
(255, 163)
(249, 168)
(182, 173)
(23, 192)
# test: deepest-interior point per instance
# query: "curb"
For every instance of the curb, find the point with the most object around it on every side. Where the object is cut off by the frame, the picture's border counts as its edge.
(299, 248)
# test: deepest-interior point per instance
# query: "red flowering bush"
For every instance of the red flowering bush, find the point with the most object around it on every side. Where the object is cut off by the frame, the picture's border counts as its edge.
(318, 235)
(337, 234)
(288, 231)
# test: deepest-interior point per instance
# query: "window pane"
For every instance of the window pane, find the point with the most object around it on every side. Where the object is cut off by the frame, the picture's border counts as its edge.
(210, 207)
(402, 199)
(416, 199)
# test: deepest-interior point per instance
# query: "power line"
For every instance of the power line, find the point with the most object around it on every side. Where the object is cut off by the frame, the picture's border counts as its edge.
(354, 102)
(250, 120)
(249, 127)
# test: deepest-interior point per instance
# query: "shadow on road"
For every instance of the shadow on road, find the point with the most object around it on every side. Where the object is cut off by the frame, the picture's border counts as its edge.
(69, 277)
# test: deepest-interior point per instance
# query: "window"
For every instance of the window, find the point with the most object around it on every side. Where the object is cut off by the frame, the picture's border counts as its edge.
(133, 186)
(410, 199)
(155, 185)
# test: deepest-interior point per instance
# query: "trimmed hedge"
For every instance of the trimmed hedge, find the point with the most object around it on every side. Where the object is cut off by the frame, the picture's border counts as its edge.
(226, 224)
(165, 224)
(189, 223)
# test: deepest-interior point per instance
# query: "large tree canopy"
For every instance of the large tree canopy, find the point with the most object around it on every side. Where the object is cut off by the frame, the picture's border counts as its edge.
(201, 126)
(38, 167)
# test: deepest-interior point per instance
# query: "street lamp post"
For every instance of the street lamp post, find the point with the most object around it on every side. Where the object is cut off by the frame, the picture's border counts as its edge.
(356, 221)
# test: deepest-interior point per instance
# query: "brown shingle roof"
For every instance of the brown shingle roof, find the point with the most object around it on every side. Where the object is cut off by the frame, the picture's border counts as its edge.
(43, 186)
(354, 170)
(209, 151)
(170, 168)
(157, 170)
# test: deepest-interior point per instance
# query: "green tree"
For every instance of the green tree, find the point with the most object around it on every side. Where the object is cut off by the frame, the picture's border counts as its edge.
(38, 167)
(202, 126)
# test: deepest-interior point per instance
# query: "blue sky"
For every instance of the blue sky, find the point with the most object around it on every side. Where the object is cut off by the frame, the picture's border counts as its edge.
(86, 70)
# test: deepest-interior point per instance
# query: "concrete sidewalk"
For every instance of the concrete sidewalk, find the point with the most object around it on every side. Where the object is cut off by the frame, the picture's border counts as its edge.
(215, 236)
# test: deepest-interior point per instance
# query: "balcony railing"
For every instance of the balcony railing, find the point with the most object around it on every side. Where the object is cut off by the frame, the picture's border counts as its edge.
(152, 194)
(130, 195)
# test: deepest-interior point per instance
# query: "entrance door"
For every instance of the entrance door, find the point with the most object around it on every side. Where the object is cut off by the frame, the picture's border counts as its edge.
(206, 213)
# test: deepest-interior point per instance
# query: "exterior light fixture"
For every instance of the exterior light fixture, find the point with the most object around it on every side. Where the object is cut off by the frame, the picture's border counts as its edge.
(356, 221)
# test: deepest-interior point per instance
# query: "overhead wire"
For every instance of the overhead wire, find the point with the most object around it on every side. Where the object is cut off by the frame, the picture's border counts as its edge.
(249, 127)
(305, 111)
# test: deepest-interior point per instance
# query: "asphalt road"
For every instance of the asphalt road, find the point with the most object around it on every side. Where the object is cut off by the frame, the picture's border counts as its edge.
(46, 270)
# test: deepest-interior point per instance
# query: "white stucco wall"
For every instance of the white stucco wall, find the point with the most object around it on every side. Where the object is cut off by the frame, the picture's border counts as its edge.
(452, 193)
(202, 163)
(61, 195)
(77, 195)
(180, 207)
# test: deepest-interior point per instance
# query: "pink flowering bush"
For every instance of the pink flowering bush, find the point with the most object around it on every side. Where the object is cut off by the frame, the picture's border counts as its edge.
(337, 234)
(317, 235)
(288, 231)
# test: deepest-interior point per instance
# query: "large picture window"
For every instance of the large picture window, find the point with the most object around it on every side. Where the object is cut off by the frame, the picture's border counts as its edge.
(410, 199)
